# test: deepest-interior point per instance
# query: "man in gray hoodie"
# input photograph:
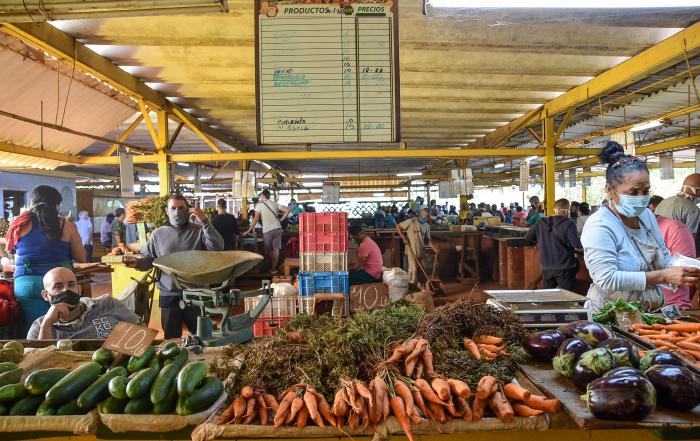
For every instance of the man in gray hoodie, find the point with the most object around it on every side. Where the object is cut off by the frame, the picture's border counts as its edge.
(179, 235)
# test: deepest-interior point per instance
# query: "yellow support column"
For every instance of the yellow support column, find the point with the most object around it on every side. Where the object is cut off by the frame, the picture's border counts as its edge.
(164, 175)
(549, 167)
(163, 163)
(584, 195)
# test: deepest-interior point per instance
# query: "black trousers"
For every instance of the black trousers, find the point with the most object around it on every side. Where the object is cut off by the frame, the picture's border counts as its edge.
(564, 279)
(172, 317)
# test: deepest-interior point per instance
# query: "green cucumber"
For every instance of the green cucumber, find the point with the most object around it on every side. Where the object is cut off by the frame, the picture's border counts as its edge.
(181, 407)
(139, 406)
(15, 346)
(162, 383)
(73, 384)
(168, 404)
(98, 391)
(140, 385)
(11, 377)
(12, 392)
(155, 364)
(70, 408)
(190, 376)
(206, 395)
(169, 350)
(138, 363)
(180, 359)
(27, 405)
(9, 355)
(4, 409)
(7, 366)
(39, 382)
(113, 406)
(103, 357)
(117, 387)
(45, 409)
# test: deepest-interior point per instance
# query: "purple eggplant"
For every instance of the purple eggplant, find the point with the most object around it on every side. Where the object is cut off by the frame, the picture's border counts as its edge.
(592, 365)
(568, 354)
(624, 370)
(622, 397)
(593, 333)
(624, 351)
(543, 345)
(677, 387)
(658, 356)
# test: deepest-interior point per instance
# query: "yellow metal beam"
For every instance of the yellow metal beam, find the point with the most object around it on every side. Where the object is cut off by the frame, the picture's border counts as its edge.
(669, 145)
(181, 114)
(113, 148)
(564, 123)
(164, 175)
(163, 136)
(17, 149)
(149, 124)
(550, 141)
(535, 135)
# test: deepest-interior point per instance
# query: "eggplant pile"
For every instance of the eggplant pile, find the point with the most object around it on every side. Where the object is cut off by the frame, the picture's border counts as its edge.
(618, 383)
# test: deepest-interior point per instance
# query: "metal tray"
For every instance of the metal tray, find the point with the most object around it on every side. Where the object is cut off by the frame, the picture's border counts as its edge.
(536, 296)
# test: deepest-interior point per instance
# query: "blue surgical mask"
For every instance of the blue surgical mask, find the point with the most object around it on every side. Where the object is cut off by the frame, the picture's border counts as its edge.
(632, 206)
(422, 220)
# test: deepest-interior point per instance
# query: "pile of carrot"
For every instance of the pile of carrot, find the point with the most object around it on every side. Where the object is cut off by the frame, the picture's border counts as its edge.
(249, 407)
(413, 359)
(485, 346)
(681, 338)
(526, 404)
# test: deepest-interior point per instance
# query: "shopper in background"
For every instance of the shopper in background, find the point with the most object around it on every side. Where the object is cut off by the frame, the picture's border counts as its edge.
(584, 213)
(654, 202)
(379, 218)
(624, 250)
(368, 268)
(41, 241)
(418, 234)
(119, 228)
(268, 212)
(683, 206)
(534, 214)
(178, 235)
(557, 240)
(679, 240)
(574, 210)
(520, 217)
(106, 232)
(85, 230)
(227, 226)
(391, 216)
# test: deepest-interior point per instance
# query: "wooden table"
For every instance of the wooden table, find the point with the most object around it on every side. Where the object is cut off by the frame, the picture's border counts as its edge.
(468, 258)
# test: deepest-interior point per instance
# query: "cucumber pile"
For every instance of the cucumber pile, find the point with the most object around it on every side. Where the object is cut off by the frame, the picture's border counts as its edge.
(155, 383)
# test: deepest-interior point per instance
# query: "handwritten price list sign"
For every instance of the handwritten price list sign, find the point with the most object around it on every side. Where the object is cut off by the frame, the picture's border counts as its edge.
(326, 73)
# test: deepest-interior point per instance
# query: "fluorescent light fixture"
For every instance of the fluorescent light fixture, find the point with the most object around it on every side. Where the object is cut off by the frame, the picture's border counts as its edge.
(646, 125)
(410, 174)
(530, 158)
(313, 184)
(183, 164)
(501, 165)
(315, 176)
(264, 164)
(575, 4)
(379, 195)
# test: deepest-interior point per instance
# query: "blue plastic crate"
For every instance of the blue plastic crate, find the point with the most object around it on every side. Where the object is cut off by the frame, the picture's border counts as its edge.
(324, 283)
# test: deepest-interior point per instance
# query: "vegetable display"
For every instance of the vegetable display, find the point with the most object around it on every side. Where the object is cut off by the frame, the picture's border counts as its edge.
(621, 397)
(680, 338)
(544, 345)
(678, 388)
(568, 354)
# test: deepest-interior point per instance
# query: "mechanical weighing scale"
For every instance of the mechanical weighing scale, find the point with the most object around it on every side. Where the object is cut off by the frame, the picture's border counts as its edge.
(206, 279)
(541, 308)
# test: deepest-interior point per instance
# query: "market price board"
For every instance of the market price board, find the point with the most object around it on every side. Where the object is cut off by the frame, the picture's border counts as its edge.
(327, 73)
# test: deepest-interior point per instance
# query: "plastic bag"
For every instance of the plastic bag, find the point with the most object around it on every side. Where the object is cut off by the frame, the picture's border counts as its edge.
(282, 289)
(681, 260)
(397, 280)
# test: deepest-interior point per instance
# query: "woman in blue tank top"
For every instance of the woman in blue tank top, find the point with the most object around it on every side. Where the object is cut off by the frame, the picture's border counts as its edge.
(45, 241)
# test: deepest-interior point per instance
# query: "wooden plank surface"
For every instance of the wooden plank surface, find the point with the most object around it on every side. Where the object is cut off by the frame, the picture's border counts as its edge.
(562, 388)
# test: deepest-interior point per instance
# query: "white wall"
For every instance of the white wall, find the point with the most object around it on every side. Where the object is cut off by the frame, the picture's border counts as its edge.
(27, 182)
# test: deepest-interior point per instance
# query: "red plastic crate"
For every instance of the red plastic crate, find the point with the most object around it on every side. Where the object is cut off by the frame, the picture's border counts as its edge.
(323, 232)
(262, 326)
(323, 243)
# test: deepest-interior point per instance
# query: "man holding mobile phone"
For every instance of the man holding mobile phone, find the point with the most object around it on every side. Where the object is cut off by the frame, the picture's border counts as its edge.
(179, 235)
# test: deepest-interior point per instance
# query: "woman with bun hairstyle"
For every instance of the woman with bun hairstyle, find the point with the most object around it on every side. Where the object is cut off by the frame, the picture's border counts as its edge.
(623, 248)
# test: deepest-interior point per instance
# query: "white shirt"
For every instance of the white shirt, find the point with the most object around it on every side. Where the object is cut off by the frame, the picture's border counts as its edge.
(269, 215)
(85, 230)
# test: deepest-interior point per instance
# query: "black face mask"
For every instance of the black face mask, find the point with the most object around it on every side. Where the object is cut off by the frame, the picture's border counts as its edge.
(68, 296)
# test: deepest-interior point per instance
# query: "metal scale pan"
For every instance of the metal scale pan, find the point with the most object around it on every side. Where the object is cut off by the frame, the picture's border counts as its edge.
(541, 308)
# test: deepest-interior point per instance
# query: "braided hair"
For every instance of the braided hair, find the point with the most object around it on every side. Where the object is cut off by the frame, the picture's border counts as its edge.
(45, 202)
(619, 164)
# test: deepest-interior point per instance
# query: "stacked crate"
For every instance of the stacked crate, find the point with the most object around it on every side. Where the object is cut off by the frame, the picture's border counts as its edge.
(323, 260)
(274, 316)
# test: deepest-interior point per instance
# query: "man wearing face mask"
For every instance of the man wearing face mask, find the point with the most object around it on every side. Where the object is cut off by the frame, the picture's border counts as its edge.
(73, 317)
(418, 233)
(683, 206)
(179, 235)
(623, 247)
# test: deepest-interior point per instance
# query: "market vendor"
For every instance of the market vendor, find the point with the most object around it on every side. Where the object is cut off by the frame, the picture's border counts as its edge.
(179, 235)
(623, 247)
(41, 241)
(268, 212)
(368, 268)
(73, 317)
(119, 229)
(418, 233)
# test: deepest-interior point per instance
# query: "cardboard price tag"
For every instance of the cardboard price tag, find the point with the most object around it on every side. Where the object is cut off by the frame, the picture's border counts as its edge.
(130, 339)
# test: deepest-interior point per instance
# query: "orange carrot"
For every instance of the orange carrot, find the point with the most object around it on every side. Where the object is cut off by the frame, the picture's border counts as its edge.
(689, 345)
(646, 332)
(340, 404)
(251, 418)
(302, 417)
(247, 392)
(284, 409)
(325, 410)
(488, 354)
(501, 407)
(249, 407)
(485, 386)
(399, 409)
(525, 411)
(548, 405)
(461, 405)
(451, 408)
(262, 411)
(428, 362)
(439, 415)
(487, 340)
(412, 359)
(402, 350)
(364, 392)
(418, 401)
(694, 339)
(468, 413)
(297, 404)
(354, 420)
(516, 392)
(459, 388)
(478, 407)
(428, 393)
(383, 394)
(470, 346)
(375, 413)
(404, 392)
(359, 404)
(364, 417)
(312, 405)
(271, 402)
(670, 338)
(227, 415)
(641, 326)
(420, 368)
(239, 406)
(491, 348)
(683, 327)
(441, 388)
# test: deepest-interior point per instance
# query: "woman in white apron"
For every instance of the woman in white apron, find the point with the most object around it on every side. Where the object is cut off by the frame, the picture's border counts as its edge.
(623, 248)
